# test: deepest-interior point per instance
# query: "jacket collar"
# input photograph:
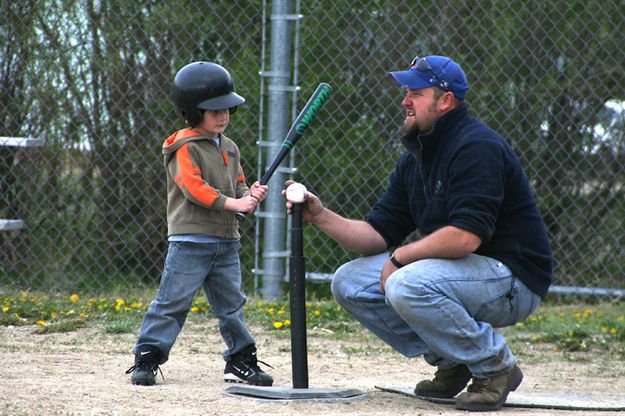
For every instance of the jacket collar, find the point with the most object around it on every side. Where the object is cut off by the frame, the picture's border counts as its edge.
(181, 137)
(427, 142)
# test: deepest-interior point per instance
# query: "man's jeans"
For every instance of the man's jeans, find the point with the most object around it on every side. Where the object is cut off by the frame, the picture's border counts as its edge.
(443, 309)
(215, 267)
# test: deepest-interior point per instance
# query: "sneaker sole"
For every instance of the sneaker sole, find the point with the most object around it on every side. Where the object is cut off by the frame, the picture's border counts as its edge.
(143, 382)
(515, 380)
(231, 378)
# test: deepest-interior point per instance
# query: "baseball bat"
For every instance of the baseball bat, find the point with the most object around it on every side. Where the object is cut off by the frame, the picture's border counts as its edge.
(301, 123)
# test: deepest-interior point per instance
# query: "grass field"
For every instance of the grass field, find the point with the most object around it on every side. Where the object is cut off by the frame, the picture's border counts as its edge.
(566, 328)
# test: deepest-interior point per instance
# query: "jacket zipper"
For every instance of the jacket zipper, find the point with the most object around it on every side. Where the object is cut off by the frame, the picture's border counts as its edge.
(420, 171)
(227, 180)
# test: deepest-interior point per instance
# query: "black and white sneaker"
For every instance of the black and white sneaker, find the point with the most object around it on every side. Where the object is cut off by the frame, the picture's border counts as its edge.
(243, 368)
(145, 369)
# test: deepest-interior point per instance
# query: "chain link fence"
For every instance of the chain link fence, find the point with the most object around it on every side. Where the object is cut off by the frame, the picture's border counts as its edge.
(92, 80)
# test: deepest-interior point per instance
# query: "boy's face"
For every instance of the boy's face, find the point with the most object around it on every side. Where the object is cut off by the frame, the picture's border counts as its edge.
(214, 122)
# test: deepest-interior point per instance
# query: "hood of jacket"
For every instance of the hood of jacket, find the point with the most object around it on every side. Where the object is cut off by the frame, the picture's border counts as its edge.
(179, 138)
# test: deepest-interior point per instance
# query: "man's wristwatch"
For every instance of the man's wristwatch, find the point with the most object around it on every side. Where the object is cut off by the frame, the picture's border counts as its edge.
(395, 262)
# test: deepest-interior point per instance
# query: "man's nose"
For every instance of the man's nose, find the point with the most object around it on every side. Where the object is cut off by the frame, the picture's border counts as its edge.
(405, 102)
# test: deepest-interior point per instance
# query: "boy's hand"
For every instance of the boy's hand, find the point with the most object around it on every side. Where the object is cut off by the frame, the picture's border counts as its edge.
(244, 204)
(247, 203)
(258, 191)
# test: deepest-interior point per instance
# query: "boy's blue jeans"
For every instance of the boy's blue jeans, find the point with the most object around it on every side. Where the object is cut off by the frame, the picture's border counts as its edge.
(443, 309)
(214, 267)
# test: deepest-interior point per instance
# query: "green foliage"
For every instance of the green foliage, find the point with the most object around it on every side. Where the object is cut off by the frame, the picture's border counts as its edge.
(100, 97)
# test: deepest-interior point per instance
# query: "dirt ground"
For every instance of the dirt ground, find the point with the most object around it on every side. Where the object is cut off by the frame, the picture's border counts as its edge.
(82, 373)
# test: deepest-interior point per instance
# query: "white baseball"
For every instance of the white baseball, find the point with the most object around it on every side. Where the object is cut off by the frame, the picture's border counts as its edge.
(296, 193)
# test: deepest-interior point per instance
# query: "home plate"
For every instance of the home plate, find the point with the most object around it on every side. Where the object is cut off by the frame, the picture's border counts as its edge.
(277, 394)
(538, 400)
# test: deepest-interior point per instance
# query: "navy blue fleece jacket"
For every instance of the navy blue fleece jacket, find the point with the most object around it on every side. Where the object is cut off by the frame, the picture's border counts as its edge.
(464, 174)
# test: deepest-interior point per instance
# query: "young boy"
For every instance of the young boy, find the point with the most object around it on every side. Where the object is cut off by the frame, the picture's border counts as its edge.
(205, 189)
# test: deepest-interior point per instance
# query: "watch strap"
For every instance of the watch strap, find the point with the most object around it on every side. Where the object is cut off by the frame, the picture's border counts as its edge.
(395, 262)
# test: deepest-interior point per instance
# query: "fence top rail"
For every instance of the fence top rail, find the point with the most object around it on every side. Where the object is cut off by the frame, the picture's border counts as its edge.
(20, 141)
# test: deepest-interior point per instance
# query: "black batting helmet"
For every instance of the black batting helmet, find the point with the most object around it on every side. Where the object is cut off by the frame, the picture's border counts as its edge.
(203, 86)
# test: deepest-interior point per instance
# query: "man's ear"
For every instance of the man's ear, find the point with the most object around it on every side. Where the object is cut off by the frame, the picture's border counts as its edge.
(447, 101)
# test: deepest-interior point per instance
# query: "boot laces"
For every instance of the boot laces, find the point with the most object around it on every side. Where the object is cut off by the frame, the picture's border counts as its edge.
(479, 385)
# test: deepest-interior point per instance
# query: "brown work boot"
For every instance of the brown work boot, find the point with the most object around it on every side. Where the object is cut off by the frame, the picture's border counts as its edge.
(485, 394)
(446, 383)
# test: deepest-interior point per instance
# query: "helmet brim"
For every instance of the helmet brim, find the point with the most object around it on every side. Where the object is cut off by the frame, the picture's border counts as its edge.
(222, 102)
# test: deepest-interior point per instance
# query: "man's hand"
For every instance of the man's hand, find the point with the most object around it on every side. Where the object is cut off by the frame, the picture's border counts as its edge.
(387, 270)
(258, 191)
(356, 235)
(312, 207)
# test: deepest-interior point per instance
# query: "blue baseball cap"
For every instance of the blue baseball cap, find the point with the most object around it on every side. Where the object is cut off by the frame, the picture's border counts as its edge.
(434, 71)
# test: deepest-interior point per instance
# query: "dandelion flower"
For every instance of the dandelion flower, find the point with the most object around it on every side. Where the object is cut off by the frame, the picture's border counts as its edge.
(317, 312)
(195, 309)
(42, 323)
(74, 297)
(612, 331)
(6, 309)
(278, 325)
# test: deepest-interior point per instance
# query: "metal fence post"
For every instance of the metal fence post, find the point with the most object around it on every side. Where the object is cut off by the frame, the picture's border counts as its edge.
(277, 127)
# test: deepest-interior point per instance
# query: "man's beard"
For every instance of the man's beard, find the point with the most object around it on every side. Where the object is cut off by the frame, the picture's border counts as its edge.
(412, 130)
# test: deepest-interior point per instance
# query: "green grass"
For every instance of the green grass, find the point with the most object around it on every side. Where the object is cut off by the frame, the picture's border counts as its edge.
(571, 330)
(576, 328)
(64, 325)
